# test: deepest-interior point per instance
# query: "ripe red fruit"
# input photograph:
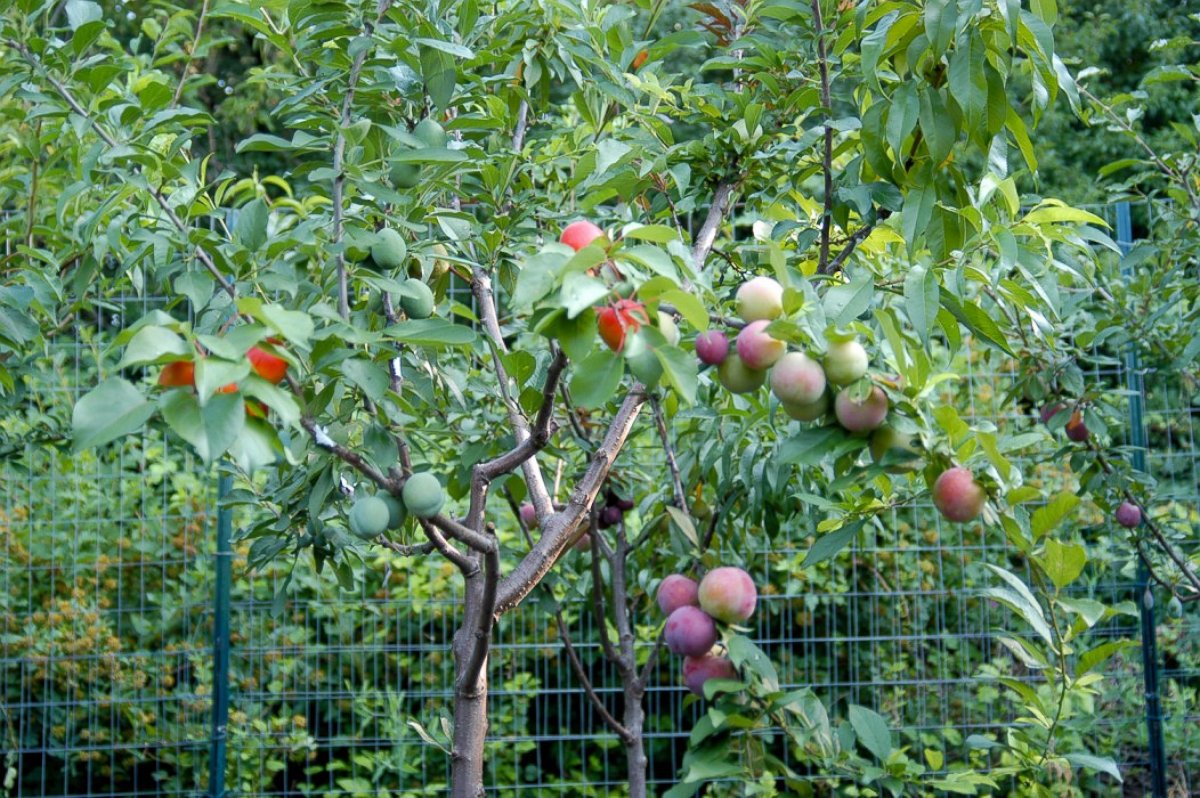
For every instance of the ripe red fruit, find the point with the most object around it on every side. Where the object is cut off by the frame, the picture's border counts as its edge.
(698, 670)
(712, 347)
(614, 321)
(677, 591)
(638, 60)
(957, 495)
(529, 516)
(578, 235)
(728, 594)
(266, 365)
(230, 388)
(179, 374)
(1129, 515)
(1076, 428)
(690, 631)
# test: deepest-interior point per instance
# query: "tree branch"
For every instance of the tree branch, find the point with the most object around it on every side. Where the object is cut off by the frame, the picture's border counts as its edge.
(588, 688)
(481, 287)
(557, 528)
(676, 481)
(339, 153)
(599, 605)
(712, 222)
(856, 238)
(486, 619)
(827, 158)
(187, 64)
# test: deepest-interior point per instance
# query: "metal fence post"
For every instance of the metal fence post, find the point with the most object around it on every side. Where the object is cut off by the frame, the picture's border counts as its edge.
(1133, 377)
(220, 716)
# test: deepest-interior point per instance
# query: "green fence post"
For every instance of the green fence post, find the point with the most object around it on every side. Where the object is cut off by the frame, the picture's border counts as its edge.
(1133, 380)
(220, 716)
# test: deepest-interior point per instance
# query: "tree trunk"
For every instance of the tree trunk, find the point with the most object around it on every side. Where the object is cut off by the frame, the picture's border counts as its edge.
(470, 705)
(635, 749)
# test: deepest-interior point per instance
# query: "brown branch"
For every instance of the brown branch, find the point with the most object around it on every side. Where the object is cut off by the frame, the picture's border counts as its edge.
(187, 64)
(677, 482)
(518, 137)
(599, 605)
(856, 238)
(559, 526)
(827, 158)
(486, 619)
(712, 222)
(108, 139)
(405, 550)
(588, 688)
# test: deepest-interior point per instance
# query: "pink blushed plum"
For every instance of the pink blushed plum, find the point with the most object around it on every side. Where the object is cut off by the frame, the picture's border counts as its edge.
(861, 416)
(690, 632)
(712, 347)
(677, 591)
(797, 379)
(698, 670)
(529, 516)
(578, 235)
(1129, 515)
(760, 298)
(957, 496)
(728, 594)
(757, 349)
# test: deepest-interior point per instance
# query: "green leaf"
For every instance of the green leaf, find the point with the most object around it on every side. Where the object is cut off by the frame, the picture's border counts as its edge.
(829, 544)
(1089, 610)
(902, 117)
(656, 233)
(845, 303)
(748, 656)
(1021, 601)
(976, 320)
(1053, 513)
(294, 325)
(250, 230)
(580, 292)
(1063, 562)
(688, 306)
(872, 731)
(653, 259)
(937, 125)
(212, 428)
(1054, 212)
(439, 73)
(1099, 763)
(536, 278)
(431, 332)
(81, 12)
(1095, 657)
(154, 345)
(596, 379)
(429, 155)
(213, 373)
(110, 410)
(921, 300)
(941, 18)
(368, 375)
(447, 47)
(680, 371)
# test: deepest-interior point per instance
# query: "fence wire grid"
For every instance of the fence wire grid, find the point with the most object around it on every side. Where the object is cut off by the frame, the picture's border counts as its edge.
(107, 584)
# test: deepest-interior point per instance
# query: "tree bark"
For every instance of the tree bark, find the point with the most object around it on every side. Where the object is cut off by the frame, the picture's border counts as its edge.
(470, 703)
(635, 747)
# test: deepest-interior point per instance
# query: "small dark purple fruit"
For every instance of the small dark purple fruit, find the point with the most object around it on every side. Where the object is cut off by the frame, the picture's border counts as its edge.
(610, 516)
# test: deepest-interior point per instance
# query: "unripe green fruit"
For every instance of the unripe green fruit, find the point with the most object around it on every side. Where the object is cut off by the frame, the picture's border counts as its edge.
(668, 328)
(845, 362)
(440, 265)
(888, 439)
(423, 495)
(760, 298)
(406, 175)
(369, 517)
(418, 301)
(389, 250)
(430, 132)
(796, 379)
(736, 378)
(809, 412)
(397, 515)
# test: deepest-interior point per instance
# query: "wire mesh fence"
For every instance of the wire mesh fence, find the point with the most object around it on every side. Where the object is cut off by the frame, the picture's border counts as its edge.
(107, 585)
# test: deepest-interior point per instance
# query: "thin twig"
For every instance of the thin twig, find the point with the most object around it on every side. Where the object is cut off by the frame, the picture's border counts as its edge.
(677, 482)
(827, 159)
(187, 63)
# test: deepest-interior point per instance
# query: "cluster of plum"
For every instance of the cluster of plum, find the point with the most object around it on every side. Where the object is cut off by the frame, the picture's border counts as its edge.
(371, 516)
(725, 594)
(271, 367)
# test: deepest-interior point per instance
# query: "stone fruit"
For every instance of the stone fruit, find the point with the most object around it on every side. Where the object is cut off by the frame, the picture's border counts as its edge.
(737, 378)
(1129, 515)
(423, 495)
(611, 330)
(797, 379)
(369, 517)
(861, 416)
(728, 594)
(757, 349)
(270, 367)
(698, 670)
(888, 439)
(178, 374)
(529, 516)
(760, 298)
(957, 496)
(690, 631)
(397, 515)
(712, 347)
(610, 516)
(406, 175)
(668, 328)
(1077, 428)
(845, 362)
(638, 60)
(430, 133)
(809, 412)
(1050, 411)
(441, 266)
(388, 251)
(578, 235)
(417, 301)
(677, 591)
(584, 543)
